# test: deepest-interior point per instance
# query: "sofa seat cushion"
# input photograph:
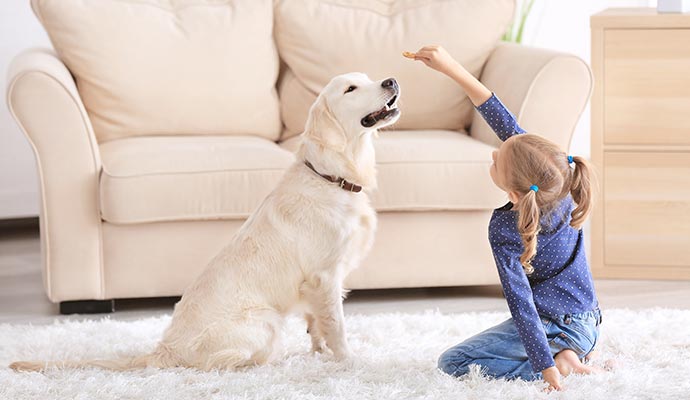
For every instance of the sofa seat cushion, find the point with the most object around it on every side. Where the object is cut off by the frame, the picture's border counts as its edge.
(169, 67)
(172, 178)
(431, 170)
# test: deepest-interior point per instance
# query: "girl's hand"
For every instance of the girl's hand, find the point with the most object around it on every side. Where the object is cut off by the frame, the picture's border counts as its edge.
(553, 378)
(436, 57)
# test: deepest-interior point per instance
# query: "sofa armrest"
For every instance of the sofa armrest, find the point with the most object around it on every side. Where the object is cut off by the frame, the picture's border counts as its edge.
(546, 90)
(43, 98)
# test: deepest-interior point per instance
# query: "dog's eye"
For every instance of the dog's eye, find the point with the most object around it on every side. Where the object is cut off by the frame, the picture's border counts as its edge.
(350, 89)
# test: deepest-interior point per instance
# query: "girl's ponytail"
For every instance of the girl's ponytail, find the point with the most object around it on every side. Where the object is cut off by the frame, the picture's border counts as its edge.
(528, 226)
(536, 161)
(581, 191)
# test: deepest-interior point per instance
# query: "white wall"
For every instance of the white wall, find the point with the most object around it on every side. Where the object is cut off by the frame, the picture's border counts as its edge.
(19, 195)
(563, 25)
(558, 24)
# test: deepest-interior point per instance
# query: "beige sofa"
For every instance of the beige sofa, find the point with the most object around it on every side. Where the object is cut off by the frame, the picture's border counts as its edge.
(159, 125)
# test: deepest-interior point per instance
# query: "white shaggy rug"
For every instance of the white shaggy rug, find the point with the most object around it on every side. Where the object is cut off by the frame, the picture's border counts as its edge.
(394, 358)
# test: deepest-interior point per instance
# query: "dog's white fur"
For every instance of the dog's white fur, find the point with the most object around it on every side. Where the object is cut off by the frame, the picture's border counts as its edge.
(292, 254)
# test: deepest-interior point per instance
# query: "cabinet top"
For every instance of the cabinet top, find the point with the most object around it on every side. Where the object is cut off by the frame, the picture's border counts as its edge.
(639, 17)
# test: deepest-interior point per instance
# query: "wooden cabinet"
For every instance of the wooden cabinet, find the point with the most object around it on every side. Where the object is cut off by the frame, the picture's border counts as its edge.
(641, 144)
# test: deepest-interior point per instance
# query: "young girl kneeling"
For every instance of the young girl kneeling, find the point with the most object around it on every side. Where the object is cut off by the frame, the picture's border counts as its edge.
(538, 246)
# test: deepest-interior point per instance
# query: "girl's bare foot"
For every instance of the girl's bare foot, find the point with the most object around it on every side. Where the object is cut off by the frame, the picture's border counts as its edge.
(568, 363)
(608, 365)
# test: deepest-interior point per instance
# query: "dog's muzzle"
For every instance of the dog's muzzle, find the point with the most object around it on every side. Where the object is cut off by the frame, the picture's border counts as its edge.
(389, 110)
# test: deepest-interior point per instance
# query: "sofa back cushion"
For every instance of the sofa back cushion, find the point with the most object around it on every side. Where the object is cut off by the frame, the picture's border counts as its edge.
(319, 39)
(168, 67)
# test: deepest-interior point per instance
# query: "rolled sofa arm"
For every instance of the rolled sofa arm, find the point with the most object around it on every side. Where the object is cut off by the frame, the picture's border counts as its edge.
(43, 99)
(546, 90)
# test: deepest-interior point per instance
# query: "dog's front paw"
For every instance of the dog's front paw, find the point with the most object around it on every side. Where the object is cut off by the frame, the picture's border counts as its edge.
(341, 353)
(318, 346)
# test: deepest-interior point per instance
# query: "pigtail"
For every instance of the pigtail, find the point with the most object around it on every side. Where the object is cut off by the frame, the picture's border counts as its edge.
(528, 227)
(581, 191)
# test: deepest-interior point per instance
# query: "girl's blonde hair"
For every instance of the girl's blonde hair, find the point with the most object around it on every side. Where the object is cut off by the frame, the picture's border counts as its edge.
(537, 161)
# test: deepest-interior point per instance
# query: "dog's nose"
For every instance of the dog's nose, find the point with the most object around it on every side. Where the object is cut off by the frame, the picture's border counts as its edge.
(389, 83)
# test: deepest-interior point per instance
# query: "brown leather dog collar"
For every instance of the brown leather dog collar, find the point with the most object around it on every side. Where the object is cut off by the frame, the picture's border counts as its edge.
(342, 183)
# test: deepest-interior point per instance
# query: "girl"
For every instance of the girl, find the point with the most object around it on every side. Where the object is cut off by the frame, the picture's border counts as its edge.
(538, 247)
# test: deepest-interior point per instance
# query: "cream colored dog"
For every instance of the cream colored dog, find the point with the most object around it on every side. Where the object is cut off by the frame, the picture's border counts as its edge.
(293, 252)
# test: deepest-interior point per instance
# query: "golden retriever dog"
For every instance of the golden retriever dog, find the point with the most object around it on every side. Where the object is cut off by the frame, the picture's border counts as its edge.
(293, 252)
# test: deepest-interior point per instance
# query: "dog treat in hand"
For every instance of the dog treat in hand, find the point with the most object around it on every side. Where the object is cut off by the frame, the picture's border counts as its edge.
(409, 54)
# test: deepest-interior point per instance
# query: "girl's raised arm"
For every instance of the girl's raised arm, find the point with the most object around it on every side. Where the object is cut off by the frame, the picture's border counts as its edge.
(489, 106)
(437, 57)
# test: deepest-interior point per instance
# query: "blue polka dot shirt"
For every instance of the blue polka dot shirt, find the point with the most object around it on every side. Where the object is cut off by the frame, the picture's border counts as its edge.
(561, 282)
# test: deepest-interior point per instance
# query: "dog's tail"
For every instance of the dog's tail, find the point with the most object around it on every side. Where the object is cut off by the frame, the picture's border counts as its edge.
(160, 358)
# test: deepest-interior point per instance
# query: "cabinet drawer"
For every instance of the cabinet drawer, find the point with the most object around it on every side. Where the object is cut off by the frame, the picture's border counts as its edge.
(647, 86)
(647, 209)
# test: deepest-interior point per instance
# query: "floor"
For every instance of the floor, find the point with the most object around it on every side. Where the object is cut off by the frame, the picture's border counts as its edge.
(22, 299)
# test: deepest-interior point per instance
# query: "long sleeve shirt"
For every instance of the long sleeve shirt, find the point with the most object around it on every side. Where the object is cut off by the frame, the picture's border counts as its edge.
(561, 282)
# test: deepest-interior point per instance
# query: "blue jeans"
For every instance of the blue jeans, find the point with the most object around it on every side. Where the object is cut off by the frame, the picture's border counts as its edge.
(499, 352)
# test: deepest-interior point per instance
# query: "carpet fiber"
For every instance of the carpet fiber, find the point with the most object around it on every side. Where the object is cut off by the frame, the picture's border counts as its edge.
(394, 358)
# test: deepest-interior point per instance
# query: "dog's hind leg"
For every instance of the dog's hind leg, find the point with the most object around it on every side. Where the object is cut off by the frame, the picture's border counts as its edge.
(251, 340)
(229, 360)
(228, 353)
(271, 324)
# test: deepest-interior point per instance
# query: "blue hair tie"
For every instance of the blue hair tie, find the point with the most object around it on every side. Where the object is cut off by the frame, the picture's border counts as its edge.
(535, 188)
(570, 160)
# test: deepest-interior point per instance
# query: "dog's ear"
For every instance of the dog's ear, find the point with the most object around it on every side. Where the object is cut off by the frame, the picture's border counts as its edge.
(322, 127)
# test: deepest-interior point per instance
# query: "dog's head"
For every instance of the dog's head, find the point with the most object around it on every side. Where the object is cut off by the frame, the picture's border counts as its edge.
(349, 106)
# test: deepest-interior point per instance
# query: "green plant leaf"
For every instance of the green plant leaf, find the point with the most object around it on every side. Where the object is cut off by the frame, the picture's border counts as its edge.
(516, 28)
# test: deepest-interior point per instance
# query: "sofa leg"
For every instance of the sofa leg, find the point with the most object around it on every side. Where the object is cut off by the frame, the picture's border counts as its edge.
(87, 307)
